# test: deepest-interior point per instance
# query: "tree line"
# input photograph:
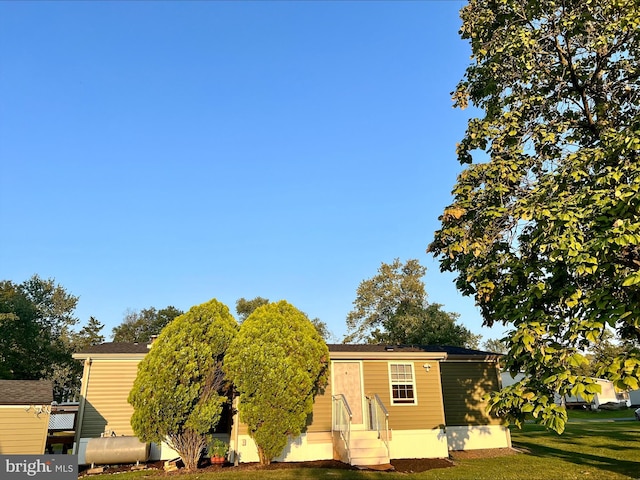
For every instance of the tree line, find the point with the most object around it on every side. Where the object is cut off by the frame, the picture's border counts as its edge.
(38, 327)
(39, 331)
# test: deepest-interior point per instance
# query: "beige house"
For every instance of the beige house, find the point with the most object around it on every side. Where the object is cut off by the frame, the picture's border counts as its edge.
(382, 402)
(25, 406)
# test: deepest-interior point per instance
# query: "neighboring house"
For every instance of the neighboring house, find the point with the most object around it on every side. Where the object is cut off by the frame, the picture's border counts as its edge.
(608, 395)
(25, 406)
(382, 402)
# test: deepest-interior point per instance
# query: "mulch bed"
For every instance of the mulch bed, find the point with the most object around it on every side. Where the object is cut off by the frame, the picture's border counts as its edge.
(405, 465)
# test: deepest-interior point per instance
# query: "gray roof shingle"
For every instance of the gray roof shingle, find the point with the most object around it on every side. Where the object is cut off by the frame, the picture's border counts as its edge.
(26, 392)
(341, 347)
(117, 347)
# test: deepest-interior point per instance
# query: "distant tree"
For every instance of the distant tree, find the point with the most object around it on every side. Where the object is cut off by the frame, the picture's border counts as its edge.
(36, 317)
(397, 290)
(495, 346)
(141, 326)
(245, 307)
(425, 325)
(392, 307)
(277, 341)
(20, 335)
(473, 341)
(179, 392)
(544, 230)
(322, 328)
(89, 335)
(67, 373)
(55, 307)
(603, 353)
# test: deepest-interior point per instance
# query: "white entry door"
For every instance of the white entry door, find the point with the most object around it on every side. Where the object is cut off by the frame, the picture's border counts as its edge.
(347, 380)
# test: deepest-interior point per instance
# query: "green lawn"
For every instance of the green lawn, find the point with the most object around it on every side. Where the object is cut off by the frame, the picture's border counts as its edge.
(599, 450)
(581, 414)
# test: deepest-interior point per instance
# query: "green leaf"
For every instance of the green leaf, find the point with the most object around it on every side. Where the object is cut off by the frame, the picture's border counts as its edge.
(632, 279)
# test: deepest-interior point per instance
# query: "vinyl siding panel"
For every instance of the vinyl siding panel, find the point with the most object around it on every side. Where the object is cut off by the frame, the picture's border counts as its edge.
(106, 406)
(426, 414)
(463, 386)
(22, 432)
(321, 417)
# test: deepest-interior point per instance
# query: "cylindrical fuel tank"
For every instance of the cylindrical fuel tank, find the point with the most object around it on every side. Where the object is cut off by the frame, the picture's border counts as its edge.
(116, 450)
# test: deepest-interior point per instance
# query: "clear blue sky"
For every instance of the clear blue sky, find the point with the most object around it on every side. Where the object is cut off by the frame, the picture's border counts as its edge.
(166, 153)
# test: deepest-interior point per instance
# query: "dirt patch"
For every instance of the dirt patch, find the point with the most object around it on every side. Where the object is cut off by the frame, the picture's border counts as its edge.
(415, 465)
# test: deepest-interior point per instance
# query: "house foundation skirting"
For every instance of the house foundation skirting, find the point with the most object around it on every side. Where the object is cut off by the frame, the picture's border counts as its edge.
(305, 448)
(477, 437)
(319, 446)
(419, 444)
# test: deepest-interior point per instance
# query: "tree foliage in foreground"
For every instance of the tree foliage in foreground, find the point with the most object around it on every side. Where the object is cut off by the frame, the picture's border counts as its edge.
(278, 363)
(544, 229)
(392, 307)
(178, 394)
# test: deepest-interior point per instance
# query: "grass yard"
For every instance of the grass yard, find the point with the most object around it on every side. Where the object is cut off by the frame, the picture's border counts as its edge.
(582, 414)
(599, 450)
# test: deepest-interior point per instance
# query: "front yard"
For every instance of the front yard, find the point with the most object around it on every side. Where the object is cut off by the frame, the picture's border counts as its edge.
(590, 449)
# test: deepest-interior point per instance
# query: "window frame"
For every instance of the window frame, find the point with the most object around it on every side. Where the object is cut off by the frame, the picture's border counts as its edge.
(402, 382)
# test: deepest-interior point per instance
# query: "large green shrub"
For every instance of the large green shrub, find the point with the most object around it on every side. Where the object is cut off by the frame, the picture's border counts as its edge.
(277, 362)
(178, 393)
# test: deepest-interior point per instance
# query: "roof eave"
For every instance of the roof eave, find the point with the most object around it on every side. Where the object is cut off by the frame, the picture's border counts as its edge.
(388, 355)
(473, 358)
(109, 356)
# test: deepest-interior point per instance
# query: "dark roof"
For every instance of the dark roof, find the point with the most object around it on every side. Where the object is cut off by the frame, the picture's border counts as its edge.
(26, 392)
(341, 347)
(117, 347)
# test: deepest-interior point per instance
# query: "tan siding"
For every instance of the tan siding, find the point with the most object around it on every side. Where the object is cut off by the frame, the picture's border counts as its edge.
(319, 437)
(426, 414)
(318, 421)
(321, 417)
(22, 432)
(463, 385)
(106, 406)
(244, 429)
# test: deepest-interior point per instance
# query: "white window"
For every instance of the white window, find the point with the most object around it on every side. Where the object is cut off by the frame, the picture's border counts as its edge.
(402, 383)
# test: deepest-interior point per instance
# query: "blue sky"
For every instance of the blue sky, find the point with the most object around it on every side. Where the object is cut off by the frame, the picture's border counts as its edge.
(167, 153)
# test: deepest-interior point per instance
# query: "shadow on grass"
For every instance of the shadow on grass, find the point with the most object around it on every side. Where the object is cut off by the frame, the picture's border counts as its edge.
(616, 465)
(606, 433)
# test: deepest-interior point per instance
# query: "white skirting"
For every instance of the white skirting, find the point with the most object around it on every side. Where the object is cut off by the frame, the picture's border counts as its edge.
(419, 444)
(297, 450)
(478, 437)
